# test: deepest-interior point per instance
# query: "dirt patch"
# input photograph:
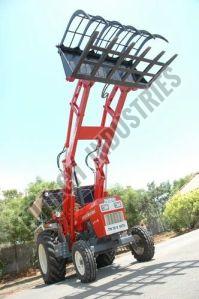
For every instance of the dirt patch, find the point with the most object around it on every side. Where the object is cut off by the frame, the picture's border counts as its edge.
(164, 236)
(23, 275)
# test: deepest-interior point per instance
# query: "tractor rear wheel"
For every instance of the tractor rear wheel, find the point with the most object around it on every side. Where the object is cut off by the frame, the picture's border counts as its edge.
(84, 261)
(143, 249)
(105, 259)
(53, 269)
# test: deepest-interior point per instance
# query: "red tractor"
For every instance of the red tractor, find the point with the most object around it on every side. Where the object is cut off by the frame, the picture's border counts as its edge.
(86, 224)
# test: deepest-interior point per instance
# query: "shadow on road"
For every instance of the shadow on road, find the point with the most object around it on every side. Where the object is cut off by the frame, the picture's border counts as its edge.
(127, 281)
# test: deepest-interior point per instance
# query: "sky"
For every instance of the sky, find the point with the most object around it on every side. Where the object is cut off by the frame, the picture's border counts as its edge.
(34, 96)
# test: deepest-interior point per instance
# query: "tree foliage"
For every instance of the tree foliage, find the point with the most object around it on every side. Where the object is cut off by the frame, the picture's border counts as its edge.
(182, 210)
(142, 206)
(11, 194)
(178, 184)
(147, 206)
(14, 227)
(17, 225)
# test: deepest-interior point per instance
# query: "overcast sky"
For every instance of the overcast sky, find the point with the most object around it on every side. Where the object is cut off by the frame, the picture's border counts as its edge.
(34, 97)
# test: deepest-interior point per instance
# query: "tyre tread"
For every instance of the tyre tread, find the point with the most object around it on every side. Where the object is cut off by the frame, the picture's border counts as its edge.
(90, 263)
(57, 267)
(149, 248)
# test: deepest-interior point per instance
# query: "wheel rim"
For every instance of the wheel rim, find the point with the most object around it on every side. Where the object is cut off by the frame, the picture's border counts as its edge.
(79, 263)
(139, 246)
(43, 258)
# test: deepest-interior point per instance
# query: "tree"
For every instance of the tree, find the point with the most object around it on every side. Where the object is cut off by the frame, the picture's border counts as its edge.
(11, 194)
(144, 206)
(151, 204)
(36, 188)
(159, 194)
(17, 225)
(13, 227)
(178, 184)
(182, 210)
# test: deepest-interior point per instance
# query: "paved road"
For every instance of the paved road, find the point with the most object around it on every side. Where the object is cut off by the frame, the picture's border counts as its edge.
(174, 273)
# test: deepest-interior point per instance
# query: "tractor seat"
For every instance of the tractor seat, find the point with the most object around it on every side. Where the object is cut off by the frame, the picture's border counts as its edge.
(84, 194)
(52, 198)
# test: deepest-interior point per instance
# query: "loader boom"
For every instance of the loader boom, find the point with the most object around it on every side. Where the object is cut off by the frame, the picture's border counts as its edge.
(103, 134)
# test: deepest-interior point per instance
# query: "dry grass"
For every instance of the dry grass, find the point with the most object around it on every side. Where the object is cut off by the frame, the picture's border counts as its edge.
(164, 236)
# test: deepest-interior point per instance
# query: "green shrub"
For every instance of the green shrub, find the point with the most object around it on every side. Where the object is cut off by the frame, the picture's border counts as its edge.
(182, 210)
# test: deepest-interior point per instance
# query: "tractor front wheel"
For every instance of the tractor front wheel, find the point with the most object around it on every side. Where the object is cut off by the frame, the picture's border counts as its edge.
(84, 261)
(53, 269)
(143, 247)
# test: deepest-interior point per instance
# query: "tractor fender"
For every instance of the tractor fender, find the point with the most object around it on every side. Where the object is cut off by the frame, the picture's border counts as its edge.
(41, 228)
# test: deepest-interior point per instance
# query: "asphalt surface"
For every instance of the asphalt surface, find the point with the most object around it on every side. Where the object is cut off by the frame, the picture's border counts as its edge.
(173, 273)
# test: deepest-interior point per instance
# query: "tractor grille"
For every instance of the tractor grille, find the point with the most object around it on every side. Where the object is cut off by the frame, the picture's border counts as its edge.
(114, 217)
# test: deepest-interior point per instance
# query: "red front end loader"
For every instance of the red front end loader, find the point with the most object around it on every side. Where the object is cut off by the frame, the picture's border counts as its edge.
(86, 224)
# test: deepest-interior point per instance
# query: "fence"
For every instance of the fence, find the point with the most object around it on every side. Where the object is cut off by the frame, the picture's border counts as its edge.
(16, 259)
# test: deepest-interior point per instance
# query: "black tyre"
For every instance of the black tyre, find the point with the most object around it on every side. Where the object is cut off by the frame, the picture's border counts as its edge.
(144, 249)
(84, 261)
(53, 269)
(105, 259)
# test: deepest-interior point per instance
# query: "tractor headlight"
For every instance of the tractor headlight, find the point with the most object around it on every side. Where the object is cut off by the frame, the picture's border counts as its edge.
(118, 204)
(104, 207)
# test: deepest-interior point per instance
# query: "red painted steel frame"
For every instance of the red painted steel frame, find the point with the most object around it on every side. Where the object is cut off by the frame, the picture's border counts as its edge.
(103, 134)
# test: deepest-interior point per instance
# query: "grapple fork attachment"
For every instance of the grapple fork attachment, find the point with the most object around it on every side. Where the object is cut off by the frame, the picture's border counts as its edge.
(98, 50)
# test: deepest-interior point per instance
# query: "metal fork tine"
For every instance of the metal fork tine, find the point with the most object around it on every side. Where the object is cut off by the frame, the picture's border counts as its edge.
(162, 69)
(150, 65)
(85, 52)
(120, 59)
(103, 57)
(136, 63)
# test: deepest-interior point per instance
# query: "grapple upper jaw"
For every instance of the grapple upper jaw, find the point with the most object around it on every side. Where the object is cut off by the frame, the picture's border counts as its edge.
(96, 49)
